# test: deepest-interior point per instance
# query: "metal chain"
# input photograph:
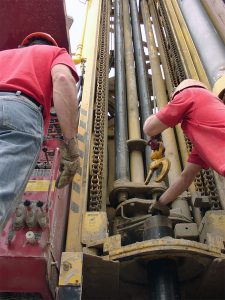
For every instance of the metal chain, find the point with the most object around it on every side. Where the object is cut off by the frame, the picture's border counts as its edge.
(95, 200)
(205, 181)
(211, 189)
(174, 62)
(198, 182)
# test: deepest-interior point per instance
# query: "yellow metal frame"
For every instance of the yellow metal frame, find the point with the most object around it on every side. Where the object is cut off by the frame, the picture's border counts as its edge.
(94, 228)
(71, 269)
(165, 247)
(79, 192)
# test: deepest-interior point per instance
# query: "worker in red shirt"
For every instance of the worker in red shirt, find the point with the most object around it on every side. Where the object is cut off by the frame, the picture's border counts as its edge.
(202, 118)
(33, 77)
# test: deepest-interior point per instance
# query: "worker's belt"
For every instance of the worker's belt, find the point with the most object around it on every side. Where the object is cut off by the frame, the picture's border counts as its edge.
(19, 93)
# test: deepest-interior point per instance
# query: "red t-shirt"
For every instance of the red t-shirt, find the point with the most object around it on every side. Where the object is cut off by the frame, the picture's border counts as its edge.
(202, 118)
(29, 70)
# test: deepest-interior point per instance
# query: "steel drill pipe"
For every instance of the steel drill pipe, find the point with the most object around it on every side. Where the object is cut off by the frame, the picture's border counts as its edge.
(208, 43)
(122, 162)
(216, 12)
(184, 52)
(161, 97)
(136, 160)
(159, 89)
(183, 205)
(163, 58)
(194, 54)
(142, 81)
(162, 273)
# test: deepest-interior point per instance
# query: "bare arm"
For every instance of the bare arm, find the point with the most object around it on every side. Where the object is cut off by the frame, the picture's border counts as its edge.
(181, 184)
(65, 100)
(153, 126)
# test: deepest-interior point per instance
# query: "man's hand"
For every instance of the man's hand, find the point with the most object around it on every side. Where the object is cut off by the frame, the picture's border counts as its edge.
(156, 207)
(154, 142)
(69, 163)
(153, 126)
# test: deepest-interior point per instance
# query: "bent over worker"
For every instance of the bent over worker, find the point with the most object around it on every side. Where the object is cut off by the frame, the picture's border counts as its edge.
(31, 77)
(202, 118)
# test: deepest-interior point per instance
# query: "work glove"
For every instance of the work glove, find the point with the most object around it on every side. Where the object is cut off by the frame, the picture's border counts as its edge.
(154, 142)
(69, 163)
(157, 208)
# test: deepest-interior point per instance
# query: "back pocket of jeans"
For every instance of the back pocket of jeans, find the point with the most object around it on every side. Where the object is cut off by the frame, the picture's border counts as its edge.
(21, 117)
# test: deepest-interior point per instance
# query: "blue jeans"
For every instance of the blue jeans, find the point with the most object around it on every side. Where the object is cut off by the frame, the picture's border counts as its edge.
(21, 136)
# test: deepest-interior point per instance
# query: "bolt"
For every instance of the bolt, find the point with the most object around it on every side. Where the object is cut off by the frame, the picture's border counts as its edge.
(39, 204)
(77, 283)
(27, 203)
(66, 266)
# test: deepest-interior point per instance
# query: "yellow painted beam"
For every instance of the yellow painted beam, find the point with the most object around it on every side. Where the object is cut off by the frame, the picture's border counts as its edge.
(79, 192)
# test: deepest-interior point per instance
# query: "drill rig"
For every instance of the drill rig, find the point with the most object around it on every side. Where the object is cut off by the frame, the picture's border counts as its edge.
(132, 54)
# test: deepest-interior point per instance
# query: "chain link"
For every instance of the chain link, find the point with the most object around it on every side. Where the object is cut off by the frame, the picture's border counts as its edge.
(175, 66)
(95, 200)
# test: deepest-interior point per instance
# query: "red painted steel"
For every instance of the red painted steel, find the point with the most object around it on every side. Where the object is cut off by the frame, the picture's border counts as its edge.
(32, 265)
(20, 18)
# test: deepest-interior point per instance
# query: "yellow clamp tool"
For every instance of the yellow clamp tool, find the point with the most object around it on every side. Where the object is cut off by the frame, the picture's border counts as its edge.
(158, 161)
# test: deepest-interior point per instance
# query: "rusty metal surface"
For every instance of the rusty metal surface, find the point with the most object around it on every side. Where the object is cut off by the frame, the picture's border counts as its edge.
(213, 223)
(167, 247)
(135, 188)
(20, 18)
(71, 269)
(193, 259)
(94, 227)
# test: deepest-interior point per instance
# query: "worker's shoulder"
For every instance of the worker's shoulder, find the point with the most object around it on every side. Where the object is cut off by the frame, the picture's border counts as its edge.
(47, 48)
(205, 97)
(197, 93)
(36, 50)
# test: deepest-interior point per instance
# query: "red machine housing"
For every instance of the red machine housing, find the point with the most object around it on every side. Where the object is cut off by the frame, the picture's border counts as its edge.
(32, 242)
(20, 18)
